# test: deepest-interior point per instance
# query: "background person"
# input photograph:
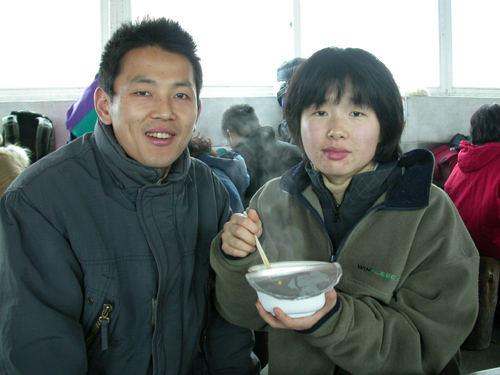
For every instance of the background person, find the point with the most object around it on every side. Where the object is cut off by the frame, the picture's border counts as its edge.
(104, 243)
(474, 183)
(229, 167)
(13, 160)
(408, 295)
(81, 115)
(474, 187)
(265, 156)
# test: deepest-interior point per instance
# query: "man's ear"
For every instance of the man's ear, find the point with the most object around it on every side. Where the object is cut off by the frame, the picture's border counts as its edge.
(102, 104)
(199, 110)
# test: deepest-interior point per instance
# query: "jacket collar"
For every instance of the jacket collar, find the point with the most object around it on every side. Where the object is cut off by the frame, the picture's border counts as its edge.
(129, 174)
(411, 191)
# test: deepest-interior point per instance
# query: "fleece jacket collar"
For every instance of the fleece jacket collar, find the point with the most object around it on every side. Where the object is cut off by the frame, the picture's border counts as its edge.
(411, 191)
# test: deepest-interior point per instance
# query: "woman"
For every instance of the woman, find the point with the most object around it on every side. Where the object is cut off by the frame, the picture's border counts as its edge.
(474, 187)
(408, 295)
(475, 182)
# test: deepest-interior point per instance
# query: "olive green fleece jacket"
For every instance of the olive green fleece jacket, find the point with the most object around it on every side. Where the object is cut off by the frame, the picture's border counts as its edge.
(408, 295)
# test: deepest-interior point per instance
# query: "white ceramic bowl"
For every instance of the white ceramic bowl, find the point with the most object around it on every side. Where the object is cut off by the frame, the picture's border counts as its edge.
(297, 287)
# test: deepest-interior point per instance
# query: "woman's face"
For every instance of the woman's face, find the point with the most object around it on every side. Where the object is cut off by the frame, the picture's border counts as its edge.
(340, 139)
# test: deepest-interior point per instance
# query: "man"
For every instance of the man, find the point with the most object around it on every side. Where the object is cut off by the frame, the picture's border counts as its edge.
(266, 157)
(104, 244)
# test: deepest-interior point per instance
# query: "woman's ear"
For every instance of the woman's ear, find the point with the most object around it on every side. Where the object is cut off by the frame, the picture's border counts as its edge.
(102, 104)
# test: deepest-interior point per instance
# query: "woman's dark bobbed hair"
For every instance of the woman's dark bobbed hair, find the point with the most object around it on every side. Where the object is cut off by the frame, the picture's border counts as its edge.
(350, 71)
(485, 124)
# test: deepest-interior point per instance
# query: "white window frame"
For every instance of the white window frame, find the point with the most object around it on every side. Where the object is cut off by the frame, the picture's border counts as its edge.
(446, 87)
(114, 12)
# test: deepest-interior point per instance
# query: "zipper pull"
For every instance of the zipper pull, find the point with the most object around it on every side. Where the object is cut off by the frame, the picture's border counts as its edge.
(336, 216)
(104, 320)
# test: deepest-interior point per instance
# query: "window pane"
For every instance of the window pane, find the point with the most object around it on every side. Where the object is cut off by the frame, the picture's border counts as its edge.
(404, 35)
(239, 43)
(49, 43)
(475, 43)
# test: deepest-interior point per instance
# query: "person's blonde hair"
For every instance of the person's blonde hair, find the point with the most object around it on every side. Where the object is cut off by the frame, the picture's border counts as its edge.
(13, 160)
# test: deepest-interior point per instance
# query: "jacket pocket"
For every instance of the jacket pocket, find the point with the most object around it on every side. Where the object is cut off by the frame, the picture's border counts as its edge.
(99, 315)
(101, 326)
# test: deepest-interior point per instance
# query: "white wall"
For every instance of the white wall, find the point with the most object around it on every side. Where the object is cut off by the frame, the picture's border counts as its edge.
(430, 120)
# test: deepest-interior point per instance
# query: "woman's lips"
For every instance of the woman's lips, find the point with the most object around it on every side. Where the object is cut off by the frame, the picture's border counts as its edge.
(336, 153)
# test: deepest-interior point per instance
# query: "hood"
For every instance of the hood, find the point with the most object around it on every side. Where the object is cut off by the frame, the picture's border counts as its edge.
(235, 169)
(473, 157)
(261, 134)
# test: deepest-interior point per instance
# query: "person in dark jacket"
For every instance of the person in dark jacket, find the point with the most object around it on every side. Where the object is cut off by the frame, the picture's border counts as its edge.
(230, 167)
(265, 156)
(104, 243)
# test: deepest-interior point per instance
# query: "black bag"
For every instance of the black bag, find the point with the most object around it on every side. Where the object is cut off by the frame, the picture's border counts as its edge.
(284, 132)
(31, 130)
(284, 74)
(446, 157)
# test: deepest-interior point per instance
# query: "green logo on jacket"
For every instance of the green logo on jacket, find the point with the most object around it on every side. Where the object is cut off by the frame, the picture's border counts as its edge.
(387, 275)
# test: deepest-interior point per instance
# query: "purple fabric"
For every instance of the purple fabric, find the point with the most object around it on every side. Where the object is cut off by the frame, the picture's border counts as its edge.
(82, 106)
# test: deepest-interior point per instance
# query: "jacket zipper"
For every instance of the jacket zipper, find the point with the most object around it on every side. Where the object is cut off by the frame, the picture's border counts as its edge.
(102, 324)
(315, 213)
(153, 311)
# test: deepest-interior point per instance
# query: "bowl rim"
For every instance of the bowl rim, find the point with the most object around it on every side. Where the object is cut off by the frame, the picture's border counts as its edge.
(261, 271)
(288, 264)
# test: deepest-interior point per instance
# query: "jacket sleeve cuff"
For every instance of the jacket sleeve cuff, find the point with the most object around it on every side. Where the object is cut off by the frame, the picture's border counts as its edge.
(233, 261)
(323, 319)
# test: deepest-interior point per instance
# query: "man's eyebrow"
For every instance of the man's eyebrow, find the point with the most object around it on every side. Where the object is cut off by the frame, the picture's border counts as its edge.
(184, 83)
(148, 80)
(143, 79)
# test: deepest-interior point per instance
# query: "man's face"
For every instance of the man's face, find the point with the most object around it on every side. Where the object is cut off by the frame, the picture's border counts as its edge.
(154, 109)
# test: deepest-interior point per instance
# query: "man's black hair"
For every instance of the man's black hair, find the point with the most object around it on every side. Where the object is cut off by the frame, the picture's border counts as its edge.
(161, 33)
(485, 124)
(348, 71)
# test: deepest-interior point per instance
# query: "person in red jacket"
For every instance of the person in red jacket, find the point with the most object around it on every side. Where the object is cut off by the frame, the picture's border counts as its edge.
(474, 187)
(474, 184)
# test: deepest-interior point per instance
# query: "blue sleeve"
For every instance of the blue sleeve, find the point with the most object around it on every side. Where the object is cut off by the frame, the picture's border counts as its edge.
(228, 348)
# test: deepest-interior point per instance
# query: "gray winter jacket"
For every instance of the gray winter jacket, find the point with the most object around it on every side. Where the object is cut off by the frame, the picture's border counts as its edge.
(104, 266)
(266, 158)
